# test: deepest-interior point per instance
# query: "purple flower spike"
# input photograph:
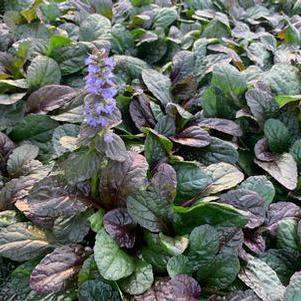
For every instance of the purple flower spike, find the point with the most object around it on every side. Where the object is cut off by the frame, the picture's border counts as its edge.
(100, 85)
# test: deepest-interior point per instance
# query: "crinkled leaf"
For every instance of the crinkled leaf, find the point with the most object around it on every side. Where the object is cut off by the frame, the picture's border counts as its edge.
(43, 71)
(140, 281)
(287, 235)
(191, 179)
(158, 84)
(293, 291)
(203, 245)
(149, 210)
(164, 181)
(262, 186)
(262, 279)
(56, 269)
(179, 265)
(185, 287)
(247, 200)
(19, 157)
(220, 272)
(121, 227)
(49, 199)
(23, 241)
(121, 179)
(113, 263)
(224, 176)
(283, 170)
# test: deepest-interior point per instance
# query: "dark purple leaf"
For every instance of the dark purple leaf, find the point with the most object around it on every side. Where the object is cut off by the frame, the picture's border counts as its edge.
(6, 145)
(249, 201)
(141, 112)
(185, 288)
(49, 199)
(278, 212)
(122, 228)
(49, 98)
(183, 66)
(221, 125)
(120, 179)
(58, 268)
(283, 169)
(254, 241)
(231, 239)
(193, 136)
(261, 150)
(165, 181)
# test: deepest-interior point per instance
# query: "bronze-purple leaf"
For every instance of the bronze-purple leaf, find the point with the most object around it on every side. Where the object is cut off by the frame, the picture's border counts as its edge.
(58, 268)
(278, 212)
(49, 199)
(164, 181)
(141, 112)
(254, 241)
(49, 98)
(221, 125)
(261, 150)
(249, 201)
(6, 145)
(193, 136)
(121, 227)
(185, 288)
(120, 179)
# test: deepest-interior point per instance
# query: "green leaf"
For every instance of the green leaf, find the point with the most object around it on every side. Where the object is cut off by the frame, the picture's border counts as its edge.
(228, 79)
(158, 84)
(85, 165)
(277, 134)
(191, 180)
(219, 273)
(282, 100)
(179, 265)
(57, 41)
(287, 236)
(217, 151)
(203, 245)
(262, 186)
(23, 241)
(96, 220)
(293, 291)
(97, 290)
(8, 99)
(150, 210)
(140, 281)
(43, 71)
(95, 27)
(157, 148)
(35, 128)
(103, 7)
(89, 271)
(113, 263)
(186, 219)
(284, 79)
(262, 280)
(8, 217)
(164, 17)
(295, 151)
(65, 130)
(19, 157)
(283, 170)
(174, 245)
(224, 176)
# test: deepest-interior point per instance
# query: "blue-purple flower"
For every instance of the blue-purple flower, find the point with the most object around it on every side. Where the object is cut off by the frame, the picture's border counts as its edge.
(100, 102)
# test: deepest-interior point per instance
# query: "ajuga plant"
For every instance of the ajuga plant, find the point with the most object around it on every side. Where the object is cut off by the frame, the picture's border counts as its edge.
(150, 150)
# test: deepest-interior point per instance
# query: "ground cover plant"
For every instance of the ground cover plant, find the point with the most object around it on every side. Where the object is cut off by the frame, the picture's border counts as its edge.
(150, 150)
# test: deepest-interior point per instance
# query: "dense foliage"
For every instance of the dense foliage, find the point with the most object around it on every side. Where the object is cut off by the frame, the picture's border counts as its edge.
(150, 150)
